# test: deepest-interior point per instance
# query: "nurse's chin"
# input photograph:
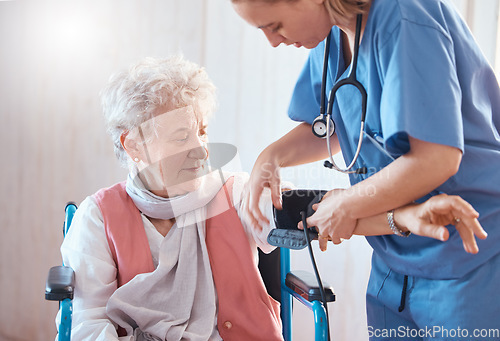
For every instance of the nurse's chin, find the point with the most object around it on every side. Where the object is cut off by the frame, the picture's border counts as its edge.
(310, 45)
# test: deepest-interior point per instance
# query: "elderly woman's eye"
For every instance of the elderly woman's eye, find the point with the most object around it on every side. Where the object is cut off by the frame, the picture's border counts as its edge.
(181, 138)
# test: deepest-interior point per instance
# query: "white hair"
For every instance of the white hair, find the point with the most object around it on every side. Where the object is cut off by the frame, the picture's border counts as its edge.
(132, 97)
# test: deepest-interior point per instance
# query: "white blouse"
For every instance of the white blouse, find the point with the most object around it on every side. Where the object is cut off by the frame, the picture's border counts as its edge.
(86, 250)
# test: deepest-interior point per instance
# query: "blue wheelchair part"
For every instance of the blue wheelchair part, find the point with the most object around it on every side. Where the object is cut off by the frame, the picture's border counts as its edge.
(70, 212)
(300, 285)
(61, 284)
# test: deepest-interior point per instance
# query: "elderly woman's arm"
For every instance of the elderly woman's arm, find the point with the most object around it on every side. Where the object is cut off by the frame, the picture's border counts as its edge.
(86, 250)
(428, 220)
(256, 236)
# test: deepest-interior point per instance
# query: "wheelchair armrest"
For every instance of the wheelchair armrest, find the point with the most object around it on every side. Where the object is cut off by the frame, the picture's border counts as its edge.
(60, 283)
(305, 284)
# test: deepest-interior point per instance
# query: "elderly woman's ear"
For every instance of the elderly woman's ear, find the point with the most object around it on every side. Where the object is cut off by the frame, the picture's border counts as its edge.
(130, 146)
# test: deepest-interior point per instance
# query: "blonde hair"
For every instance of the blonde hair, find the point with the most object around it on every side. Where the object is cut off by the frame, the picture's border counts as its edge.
(346, 8)
(132, 97)
(335, 8)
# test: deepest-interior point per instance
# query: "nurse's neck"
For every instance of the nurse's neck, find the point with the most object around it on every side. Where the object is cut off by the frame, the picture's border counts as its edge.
(346, 49)
(348, 29)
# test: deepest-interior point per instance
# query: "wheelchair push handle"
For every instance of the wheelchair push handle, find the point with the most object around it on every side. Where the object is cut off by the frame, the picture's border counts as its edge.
(69, 211)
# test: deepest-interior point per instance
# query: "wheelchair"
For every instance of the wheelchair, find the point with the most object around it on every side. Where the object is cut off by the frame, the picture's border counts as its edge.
(61, 283)
(300, 285)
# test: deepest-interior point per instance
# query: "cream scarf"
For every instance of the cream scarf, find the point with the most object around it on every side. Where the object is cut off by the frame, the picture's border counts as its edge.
(178, 300)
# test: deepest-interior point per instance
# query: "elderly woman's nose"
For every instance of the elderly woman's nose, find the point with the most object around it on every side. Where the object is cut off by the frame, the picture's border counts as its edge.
(200, 152)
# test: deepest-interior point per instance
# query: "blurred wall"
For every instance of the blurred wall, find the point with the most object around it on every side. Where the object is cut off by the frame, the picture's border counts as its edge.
(55, 56)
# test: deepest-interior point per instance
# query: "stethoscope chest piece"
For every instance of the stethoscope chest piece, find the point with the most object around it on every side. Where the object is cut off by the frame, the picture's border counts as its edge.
(320, 126)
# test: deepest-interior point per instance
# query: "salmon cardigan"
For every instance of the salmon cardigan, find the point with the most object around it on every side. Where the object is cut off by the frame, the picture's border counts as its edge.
(245, 311)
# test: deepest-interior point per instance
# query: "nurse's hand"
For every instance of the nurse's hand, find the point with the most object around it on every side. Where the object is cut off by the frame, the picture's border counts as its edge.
(430, 218)
(331, 219)
(265, 173)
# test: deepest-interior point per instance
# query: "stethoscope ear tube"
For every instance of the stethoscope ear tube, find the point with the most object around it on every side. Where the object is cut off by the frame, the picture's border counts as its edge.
(323, 77)
(319, 125)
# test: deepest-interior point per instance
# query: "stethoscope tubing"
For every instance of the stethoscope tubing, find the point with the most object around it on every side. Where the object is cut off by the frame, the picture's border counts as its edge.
(348, 169)
(349, 80)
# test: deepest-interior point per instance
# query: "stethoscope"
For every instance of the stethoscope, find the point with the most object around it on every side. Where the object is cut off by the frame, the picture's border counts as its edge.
(324, 122)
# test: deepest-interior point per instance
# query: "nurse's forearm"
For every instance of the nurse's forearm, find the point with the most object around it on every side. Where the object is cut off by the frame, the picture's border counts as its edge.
(413, 175)
(373, 226)
(300, 146)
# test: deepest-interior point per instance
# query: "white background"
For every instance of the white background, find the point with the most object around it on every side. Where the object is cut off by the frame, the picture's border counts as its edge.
(56, 55)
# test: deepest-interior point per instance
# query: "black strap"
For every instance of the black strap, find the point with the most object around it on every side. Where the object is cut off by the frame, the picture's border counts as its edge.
(403, 294)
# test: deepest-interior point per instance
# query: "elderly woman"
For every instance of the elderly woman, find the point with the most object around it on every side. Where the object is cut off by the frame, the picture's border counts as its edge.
(164, 255)
(168, 254)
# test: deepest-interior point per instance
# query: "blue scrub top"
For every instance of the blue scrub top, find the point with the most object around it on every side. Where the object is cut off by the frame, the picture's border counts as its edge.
(425, 77)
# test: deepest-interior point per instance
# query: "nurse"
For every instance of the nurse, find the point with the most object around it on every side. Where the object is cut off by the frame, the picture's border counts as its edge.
(433, 113)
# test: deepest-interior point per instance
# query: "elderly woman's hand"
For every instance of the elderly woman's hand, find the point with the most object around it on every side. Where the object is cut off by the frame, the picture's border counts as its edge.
(427, 220)
(265, 173)
(430, 218)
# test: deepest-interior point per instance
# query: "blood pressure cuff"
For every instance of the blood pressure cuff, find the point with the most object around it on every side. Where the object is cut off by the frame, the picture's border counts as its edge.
(286, 233)
(290, 239)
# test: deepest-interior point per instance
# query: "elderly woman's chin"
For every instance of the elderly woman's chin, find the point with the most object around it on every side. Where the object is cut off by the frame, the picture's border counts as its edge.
(186, 187)
(187, 181)
(173, 189)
